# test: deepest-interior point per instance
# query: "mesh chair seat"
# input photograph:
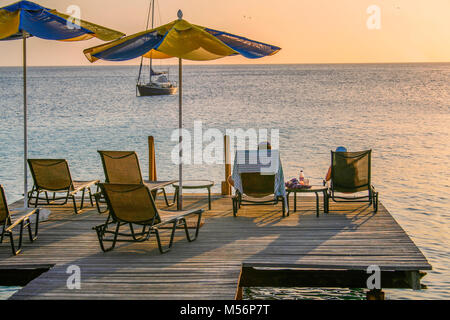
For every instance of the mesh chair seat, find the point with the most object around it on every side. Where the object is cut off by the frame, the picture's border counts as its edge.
(133, 204)
(258, 189)
(122, 167)
(351, 173)
(53, 175)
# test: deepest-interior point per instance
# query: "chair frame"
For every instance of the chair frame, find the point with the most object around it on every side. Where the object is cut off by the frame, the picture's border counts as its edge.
(70, 191)
(371, 198)
(152, 224)
(99, 198)
(22, 222)
(238, 201)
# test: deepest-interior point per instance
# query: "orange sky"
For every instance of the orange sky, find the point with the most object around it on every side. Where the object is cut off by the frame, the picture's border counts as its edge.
(309, 31)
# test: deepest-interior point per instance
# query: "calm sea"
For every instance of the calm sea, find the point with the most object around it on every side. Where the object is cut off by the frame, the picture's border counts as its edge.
(401, 111)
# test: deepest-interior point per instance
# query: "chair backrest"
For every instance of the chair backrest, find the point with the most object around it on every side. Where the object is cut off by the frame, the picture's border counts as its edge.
(4, 211)
(350, 171)
(131, 203)
(121, 167)
(258, 185)
(51, 174)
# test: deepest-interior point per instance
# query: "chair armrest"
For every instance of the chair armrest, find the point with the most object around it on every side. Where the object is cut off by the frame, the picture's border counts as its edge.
(22, 218)
(172, 216)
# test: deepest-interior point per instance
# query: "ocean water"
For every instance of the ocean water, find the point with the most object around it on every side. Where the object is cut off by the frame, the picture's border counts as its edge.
(401, 111)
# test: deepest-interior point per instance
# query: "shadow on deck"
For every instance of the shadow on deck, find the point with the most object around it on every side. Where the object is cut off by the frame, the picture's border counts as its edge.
(257, 248)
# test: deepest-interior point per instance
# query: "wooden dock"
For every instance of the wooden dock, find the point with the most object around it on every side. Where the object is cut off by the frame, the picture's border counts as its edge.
(257, 248)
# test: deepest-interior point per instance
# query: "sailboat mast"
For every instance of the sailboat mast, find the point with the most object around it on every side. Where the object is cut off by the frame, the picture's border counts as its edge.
(153, 19)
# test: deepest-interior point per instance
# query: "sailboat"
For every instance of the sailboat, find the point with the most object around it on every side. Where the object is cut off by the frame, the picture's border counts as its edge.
(159, 83)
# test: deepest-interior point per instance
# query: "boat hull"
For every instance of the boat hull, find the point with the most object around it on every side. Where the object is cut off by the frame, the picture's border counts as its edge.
(145, 90)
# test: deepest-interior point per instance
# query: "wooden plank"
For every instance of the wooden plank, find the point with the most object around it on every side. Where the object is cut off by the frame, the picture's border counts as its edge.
(345, 241)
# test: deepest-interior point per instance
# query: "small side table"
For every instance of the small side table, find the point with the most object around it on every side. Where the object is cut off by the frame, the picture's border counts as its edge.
(194, 184)
(316, 190)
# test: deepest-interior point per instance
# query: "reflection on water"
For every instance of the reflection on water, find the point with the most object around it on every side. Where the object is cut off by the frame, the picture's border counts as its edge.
(303, 294)
(6, 292)
(401, 111)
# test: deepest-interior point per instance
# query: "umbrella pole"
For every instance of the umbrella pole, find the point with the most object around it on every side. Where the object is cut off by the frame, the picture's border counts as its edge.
(180, 126)
(25, 134)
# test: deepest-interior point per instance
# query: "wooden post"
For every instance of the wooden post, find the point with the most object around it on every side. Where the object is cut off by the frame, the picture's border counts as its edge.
(375, 294)
(151, 159)
(239, 295)
(226, 187)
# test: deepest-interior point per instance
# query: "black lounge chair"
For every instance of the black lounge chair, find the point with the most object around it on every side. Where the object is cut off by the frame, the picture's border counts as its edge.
(21, 220)
(258, 189)
(351, 173)
(133, 204)
(53, 175)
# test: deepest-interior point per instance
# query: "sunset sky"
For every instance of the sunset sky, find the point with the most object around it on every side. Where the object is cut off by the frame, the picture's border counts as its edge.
(309, 31)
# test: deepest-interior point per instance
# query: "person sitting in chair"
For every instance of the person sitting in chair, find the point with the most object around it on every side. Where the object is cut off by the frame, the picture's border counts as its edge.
(338, 149)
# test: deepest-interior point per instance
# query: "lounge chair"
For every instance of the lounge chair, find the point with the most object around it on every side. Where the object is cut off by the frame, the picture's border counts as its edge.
(133, 204)
(53, 175)
(21, 220)
(257, 188)
(122, 167)
(351, 173)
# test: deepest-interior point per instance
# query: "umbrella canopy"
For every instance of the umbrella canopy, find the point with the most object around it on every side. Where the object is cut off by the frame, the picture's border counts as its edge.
(41, 22)
(182, 40)
(25, 19)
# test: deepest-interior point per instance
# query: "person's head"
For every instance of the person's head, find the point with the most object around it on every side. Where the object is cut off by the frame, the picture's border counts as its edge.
(341, 149)
(264, 146)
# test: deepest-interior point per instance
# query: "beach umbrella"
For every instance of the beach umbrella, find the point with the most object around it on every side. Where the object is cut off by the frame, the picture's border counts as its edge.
(25, 19)
(182, 40)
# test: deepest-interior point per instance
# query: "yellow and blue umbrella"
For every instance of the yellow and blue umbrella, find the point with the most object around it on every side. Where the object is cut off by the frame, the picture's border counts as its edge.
(25, 19)
(182, 40)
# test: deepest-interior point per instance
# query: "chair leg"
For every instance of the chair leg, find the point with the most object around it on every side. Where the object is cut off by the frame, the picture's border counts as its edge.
(142, 237)
(188, 236)
(375, 202)
(166, 199)
(74, 204)
(30, 194)
(82, 198)
(13, 248)
(101, 234)
(235, 207)
(36, 228)
(16, 251)
(158, 239)
(37, 198)
(97, 197)
(326, 202)
(90, 196)
(3, 233)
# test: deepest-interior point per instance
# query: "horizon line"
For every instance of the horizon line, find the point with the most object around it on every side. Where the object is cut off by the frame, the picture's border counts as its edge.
(233, 64)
